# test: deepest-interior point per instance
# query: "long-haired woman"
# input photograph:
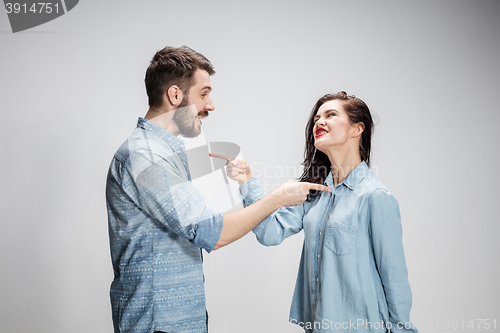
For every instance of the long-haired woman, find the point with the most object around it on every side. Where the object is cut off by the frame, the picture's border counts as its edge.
(352, 275)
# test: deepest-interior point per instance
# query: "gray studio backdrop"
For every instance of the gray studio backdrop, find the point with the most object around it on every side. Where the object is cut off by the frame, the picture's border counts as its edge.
(72, 90)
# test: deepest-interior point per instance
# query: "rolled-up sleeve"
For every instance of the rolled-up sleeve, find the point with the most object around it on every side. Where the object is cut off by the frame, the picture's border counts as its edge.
(386, 234)
(281, 224)
(155, 184)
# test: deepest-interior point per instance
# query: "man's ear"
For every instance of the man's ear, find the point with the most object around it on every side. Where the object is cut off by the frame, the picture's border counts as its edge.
(173, 95)
(357, 129)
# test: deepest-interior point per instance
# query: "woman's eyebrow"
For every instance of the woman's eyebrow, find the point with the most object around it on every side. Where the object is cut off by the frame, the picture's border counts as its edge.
(325, 112)
(330, 110)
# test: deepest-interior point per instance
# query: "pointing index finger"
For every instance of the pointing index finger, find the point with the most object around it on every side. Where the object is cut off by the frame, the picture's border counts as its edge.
(318, 187)
(228, 158)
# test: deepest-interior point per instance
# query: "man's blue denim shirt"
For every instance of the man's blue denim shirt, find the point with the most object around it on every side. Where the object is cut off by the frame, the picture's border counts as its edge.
(352, 274)
(158, 224)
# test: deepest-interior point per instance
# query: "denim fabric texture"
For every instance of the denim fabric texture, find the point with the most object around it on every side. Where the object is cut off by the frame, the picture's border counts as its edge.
(352, 275)
(158, 225)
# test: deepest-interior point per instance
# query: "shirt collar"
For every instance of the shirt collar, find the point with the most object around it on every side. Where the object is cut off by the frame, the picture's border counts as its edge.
(172, 141)
(353, 179)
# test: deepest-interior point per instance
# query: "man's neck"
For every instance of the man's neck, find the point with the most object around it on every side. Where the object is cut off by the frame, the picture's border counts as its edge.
(163, 118)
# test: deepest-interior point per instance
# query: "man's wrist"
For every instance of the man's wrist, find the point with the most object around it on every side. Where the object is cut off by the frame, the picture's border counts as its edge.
(275, 199)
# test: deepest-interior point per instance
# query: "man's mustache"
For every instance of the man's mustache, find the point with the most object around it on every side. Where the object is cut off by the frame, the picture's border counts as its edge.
(203, 114)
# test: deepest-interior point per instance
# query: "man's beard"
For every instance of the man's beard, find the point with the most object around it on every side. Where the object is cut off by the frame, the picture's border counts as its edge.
(184, 119)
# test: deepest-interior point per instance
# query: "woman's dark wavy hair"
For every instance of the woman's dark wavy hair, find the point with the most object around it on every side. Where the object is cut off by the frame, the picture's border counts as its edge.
(316, 163)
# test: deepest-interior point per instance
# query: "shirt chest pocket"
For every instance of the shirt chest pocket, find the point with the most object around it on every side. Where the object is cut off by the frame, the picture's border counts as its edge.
(340, 238)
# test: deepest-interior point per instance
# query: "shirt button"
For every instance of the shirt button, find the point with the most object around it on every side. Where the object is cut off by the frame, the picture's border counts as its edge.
(317, 280)
(320, 233)
(318, 256)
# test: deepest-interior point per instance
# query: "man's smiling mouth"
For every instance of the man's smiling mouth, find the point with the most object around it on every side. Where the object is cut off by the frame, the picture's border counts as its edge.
(202, 114)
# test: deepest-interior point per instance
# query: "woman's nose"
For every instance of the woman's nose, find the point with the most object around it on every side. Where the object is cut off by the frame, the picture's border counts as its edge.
(320, 122)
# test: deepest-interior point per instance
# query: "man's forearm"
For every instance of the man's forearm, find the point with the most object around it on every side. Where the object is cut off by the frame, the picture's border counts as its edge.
(237, 224)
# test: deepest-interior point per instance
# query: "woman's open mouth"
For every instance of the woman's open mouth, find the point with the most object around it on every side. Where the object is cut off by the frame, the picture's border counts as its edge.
(320, 132)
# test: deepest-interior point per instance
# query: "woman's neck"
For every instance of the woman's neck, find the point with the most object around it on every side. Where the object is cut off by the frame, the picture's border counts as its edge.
(343, 162)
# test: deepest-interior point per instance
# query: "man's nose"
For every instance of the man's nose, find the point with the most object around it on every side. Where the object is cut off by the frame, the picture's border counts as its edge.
(209, 106)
